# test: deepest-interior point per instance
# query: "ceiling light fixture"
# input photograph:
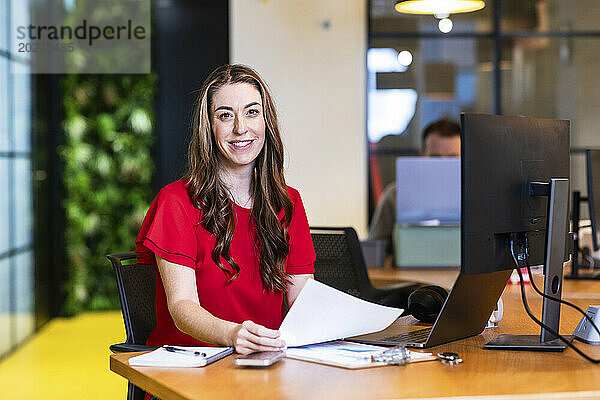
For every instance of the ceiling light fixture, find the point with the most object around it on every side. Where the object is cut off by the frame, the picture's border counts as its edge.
(438, 6)
(405, 58)
(445, 25)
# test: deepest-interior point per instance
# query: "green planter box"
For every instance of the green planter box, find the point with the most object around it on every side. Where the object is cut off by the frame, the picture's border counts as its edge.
(426, 246)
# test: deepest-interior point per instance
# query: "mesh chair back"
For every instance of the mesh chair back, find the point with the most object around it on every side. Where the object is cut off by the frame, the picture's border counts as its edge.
(137, 285)
(340, 262)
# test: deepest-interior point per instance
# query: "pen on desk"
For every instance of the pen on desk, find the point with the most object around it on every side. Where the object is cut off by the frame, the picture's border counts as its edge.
(186, 351)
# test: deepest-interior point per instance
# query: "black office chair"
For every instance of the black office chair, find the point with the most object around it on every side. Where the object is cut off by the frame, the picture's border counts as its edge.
(136, 285)
(340, 264)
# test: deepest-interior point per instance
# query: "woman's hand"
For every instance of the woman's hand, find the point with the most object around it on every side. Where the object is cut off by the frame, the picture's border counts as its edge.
(249, 337)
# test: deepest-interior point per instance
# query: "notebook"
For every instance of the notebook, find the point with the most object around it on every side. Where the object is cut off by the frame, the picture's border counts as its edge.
(163, 358)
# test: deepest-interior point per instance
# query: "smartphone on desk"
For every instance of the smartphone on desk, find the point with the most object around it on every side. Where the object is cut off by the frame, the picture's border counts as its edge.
(260, 359)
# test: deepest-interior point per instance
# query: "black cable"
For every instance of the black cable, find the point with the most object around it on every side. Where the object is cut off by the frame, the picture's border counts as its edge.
(541, 324)
(559, 300)
(544, 295)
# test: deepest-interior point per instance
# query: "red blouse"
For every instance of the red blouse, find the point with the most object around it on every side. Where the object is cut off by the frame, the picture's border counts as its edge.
(171, 231)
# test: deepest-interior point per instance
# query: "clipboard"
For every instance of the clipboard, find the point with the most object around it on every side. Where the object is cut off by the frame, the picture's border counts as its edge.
(347, 355)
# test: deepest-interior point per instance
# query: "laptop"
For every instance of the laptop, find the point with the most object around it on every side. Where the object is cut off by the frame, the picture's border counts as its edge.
(465, 313)
(428, 190)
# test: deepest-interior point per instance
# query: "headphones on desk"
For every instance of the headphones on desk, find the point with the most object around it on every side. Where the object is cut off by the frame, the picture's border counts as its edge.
(426, 303)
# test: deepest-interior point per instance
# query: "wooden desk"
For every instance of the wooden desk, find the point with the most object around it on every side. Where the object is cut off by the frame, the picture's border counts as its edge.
(444, 277)
(523, 375)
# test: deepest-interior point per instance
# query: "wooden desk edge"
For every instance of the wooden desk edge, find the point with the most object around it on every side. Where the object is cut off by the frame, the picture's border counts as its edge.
(119, 365)
(532, 396)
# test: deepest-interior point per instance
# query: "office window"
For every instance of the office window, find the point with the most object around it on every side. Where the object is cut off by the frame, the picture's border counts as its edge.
(22, 109)
(4, 205)
(556, 78)
(22, 210)
(550, 16)
(17, 320)
(515, 57)
(417, 82)
(5, 314)
(4, 65)
(23, 316)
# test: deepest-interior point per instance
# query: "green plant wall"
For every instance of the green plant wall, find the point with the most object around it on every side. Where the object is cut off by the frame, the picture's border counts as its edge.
(108, 166)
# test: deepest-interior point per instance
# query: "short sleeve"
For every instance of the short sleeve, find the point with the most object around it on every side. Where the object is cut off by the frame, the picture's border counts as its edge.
(169, 228)
(302, 256)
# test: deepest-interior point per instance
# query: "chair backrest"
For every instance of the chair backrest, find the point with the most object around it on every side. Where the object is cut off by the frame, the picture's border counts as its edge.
(137, 285)
(340, 261)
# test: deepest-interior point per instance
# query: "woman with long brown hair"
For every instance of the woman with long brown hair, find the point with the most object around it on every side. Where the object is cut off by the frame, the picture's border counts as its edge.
(230, 240)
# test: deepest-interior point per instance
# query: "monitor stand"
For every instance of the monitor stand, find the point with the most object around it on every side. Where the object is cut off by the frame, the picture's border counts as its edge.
(575, 273)
(556, 238)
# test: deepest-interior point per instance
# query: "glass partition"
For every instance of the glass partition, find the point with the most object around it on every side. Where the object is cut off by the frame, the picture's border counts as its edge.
(536, 58)
(17, 317)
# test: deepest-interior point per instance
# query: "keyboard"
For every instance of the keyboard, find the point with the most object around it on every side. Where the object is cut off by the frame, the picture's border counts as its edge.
(411, 339)
(419, 336)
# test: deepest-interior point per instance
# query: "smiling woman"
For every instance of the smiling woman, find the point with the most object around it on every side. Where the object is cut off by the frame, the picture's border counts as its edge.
(230, 239)
(239, 128)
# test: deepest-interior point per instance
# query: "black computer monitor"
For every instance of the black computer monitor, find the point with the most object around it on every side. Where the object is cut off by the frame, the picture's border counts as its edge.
(515, 189)
(592, 163)
(501, 156)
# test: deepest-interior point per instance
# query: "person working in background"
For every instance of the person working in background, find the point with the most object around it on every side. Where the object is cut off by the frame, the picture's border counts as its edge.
(440, 139)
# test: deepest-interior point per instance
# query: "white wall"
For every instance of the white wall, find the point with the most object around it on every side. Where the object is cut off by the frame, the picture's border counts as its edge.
(312, 55)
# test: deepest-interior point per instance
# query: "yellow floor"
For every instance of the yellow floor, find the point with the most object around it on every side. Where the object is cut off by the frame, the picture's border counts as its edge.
(67, 359)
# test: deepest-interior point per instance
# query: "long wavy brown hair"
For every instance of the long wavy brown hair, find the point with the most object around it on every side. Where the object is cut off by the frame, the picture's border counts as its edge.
(268, 188)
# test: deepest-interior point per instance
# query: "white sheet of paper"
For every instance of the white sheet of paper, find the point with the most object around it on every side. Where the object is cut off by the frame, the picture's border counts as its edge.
(322, 313)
